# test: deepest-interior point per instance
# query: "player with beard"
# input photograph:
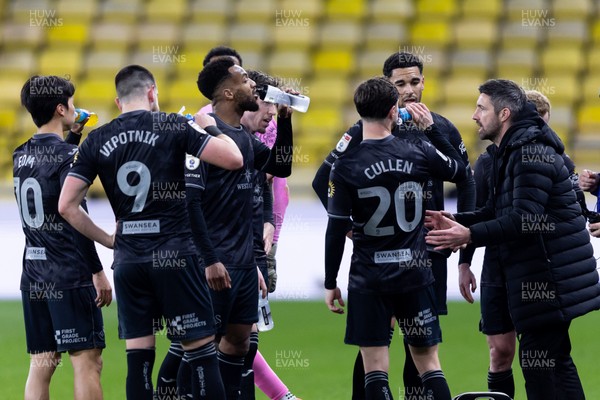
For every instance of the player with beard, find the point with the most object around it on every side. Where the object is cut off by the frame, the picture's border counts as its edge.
(405, 72)
(221, 211)
(138, 157)
(380, 188)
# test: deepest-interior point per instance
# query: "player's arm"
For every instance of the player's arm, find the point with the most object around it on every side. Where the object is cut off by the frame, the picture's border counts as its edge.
(69, 206)
(220, 150)
(268, 218)
(277, 160)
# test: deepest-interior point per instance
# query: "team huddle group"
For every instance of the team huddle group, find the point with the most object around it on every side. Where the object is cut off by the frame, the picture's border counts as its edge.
(199, 202)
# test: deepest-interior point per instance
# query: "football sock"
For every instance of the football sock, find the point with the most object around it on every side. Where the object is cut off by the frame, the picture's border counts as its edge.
(410, 374)
(377, 386)
(205, 375)
(231, 372)
(435, 384)
(502, 382)
(248, 391)
(184, 379)
(166, 384)
(138, 385)
(266, 380)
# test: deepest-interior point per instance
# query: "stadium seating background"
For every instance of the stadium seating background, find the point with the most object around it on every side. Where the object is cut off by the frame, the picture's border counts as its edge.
(321, 48)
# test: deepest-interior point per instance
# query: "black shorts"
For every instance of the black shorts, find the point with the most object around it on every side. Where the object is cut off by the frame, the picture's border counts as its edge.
(169, 298)
(238, 305)
(369, 316)
(62, 320)
(439, 268)
(495, 316)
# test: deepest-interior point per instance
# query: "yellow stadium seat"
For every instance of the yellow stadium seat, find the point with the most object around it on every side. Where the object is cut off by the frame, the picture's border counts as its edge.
(588, 119)
(436, 8)
(385, 36)
(515, 35)
(562, 120)
(160, 61)
(104, 63)
(250, 36)
(370, 63)
(596, 32)
(572, 9)
(529, 11)
(341, 35)
(591, 89)
(17, 63)
(432, 93)
(22, 36)
(391, 10)
(95, 91)
(462, 89)
(77, 11)
(475, 33)
(123, 11)
(216, 12)
(288, 63)
(345, 9)
(568, 33)
(516, 63)
(332, 61)
(471, 62)
(561, 89)
(35, 12)
(112, 36)
(183, 93)
(329, 92)
(60, 62)
(308, 8)
(191, 63)
(562, 59)
(490, 9)
(151, 36)
(427, 32)
(10, 95)
(294, 37)
(160, 10)
(204, 35)
(255, 10)
(461, 116)
(69, 35)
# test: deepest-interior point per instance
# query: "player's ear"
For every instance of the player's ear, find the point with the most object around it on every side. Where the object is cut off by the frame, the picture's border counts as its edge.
(61, 109)
(118, 103)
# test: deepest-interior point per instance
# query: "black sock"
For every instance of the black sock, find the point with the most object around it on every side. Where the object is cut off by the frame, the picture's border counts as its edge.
(377, 386)
(435, 384)
(502, 382)
(358, 378)
(166, 384)
(184, 379)
(248, 391)
(231, 372)
(410, 374)
(138, 385)
(205, 375)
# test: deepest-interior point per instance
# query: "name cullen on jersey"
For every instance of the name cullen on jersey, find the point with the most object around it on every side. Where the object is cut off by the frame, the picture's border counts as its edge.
(126, 137)
(388, 165)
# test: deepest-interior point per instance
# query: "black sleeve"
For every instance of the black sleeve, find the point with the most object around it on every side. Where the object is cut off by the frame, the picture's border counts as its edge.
(73, 138)
(574, 177)
(335, 238)
(481, 173)
(268, 203)
(199, 229)
(321, 181)
(277, 161)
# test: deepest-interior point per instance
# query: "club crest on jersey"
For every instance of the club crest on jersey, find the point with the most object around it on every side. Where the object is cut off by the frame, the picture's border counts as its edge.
(191, 162)
(343, 143)
(330, 189)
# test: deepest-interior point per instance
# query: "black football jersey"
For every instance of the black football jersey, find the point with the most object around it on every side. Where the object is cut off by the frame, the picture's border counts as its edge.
(56, 256)
(139, 158)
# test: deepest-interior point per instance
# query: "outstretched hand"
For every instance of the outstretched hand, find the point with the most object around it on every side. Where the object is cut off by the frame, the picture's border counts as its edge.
(445, 233)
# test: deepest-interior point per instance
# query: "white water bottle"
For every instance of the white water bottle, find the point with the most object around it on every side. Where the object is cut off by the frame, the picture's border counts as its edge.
(265, 320)
(271, 94)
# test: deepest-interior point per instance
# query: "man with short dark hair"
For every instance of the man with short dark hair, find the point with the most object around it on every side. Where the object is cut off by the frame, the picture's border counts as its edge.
(543, 248)
(381, 184)
(138, 157)
(63, 283)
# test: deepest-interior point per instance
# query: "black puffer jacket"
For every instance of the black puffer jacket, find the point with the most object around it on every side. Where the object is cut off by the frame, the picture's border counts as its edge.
(532, 214)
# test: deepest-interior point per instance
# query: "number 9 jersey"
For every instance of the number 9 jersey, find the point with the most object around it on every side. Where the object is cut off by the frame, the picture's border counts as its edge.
(139, 157)
(382, 185)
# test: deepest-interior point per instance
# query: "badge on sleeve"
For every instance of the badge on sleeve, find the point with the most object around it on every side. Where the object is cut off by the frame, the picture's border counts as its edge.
(191, 162)
(343, 143)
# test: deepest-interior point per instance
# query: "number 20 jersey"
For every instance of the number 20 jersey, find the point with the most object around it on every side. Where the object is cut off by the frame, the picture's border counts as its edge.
(380, 184)
(140, 157)
(56, 255)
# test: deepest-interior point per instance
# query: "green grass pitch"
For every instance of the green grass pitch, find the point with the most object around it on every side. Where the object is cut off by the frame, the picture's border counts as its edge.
(306, 350)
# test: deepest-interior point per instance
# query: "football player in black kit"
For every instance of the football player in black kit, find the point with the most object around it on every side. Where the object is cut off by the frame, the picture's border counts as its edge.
(63, 282)
(223, 217)
(405, 72)
(138, 157)
(381, 185)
